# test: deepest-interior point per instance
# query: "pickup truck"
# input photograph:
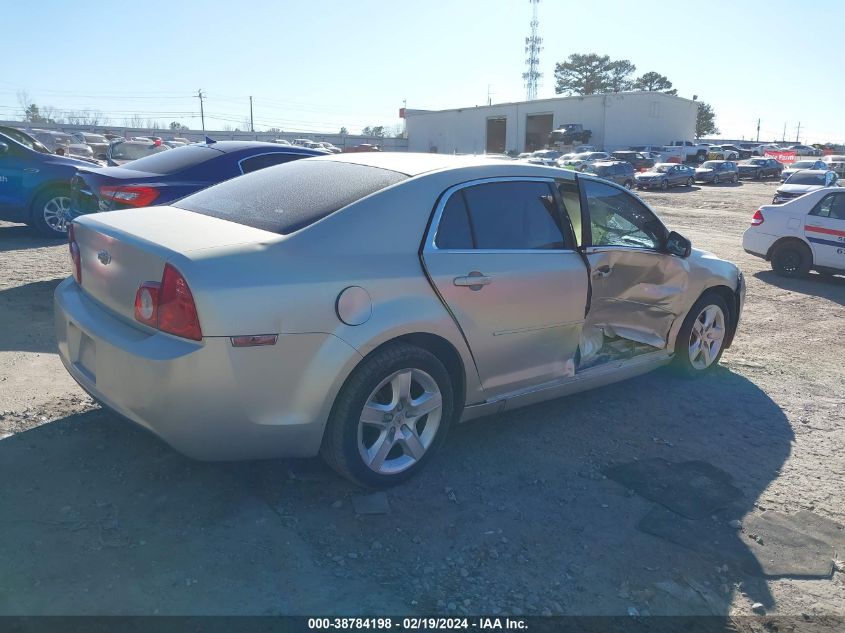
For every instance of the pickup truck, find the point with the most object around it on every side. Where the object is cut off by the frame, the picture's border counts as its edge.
(691, 151)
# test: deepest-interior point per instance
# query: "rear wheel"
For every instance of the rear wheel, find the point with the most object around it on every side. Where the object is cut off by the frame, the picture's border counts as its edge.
(390, 417)
(629, 184)
(716, 179)
(690, 182)
(48, 213)
(664, 184)
(791, 259)
(701, 340)
(735, 178)
(759, 175)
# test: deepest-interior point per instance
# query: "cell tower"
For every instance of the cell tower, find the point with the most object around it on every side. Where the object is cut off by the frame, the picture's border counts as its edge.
(533, 46)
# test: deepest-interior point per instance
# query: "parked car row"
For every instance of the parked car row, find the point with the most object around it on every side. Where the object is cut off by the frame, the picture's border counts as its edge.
(46, 190)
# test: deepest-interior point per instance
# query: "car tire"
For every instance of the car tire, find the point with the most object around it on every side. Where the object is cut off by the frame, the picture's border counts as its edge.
(664, 185)
(791, 259)
(735, 178)
(701, 339)
(759, 175)
(389, 446)
(629, 184)
(690, 182)
(716, 179)
(47, 213)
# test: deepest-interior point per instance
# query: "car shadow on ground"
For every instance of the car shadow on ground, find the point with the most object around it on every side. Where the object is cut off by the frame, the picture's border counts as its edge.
(682, 189)
(29, 309)
(828, 287)
(16, 237)
(514, 514)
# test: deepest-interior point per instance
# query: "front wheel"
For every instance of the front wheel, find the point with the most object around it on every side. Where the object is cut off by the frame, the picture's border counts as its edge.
(690, 182)
(629, 184)
(48, 213)
(664, 185)
(716, 179)
(759, 175)
(390, 417)
(735, 179)
(701, 340)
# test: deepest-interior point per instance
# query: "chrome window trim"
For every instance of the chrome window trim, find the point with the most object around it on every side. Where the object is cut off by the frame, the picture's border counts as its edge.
(431, 247)
(246, 158)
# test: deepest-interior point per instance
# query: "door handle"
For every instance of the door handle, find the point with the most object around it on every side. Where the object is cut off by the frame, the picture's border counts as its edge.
(603, 271)
(474, 280)
(31, 170)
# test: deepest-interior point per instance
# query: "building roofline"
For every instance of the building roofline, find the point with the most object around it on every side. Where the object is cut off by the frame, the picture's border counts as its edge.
(417, 112)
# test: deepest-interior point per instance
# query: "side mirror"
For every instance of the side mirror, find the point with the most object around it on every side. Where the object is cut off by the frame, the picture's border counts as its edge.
(4, 148)
(677, 244)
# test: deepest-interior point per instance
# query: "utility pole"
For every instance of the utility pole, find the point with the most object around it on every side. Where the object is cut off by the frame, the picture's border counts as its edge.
(798, 133)
(489, 100)
(758, 130)
(202, 112)
(783, 137)
(251, 124)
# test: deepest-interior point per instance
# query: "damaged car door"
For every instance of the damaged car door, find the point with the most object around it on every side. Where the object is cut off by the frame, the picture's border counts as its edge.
(637, 287)
(504, 262)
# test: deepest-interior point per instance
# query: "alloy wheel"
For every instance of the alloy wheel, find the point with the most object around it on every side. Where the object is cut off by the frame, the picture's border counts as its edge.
(399, 421)
(706, 337)
(54, 213)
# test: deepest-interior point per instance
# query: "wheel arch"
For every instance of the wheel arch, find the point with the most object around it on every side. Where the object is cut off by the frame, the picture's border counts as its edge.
(786, 240)
(45, 186)
(445, 352)
(729, 296)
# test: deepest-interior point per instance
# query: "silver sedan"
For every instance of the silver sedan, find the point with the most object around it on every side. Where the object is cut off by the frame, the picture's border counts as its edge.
(358, 305)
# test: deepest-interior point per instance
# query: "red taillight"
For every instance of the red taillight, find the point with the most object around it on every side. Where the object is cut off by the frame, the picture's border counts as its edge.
(135, 196)
(757, 219)
(168, 306)
(75, 257)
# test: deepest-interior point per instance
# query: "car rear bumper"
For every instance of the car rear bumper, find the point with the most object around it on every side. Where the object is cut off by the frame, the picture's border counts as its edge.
(206, 399)
(755, 242)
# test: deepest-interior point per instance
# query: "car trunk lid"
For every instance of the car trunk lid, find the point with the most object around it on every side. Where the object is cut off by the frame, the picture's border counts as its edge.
(120, 250)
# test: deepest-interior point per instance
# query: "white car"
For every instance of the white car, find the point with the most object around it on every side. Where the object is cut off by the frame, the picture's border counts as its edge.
(803, 182)
(546, 157)
(835, 162)
(802, 234)
(798, 165)
(580, 161)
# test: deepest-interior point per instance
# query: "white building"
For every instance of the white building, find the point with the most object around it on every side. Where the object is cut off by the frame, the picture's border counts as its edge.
(617, 121)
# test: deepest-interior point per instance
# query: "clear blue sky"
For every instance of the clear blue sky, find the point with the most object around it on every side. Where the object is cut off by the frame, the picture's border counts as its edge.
(320, 64)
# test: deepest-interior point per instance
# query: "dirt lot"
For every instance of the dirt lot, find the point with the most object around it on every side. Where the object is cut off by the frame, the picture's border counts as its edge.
(514, 516)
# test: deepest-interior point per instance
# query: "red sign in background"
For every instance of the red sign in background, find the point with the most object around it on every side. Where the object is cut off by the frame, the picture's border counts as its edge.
(781, 157)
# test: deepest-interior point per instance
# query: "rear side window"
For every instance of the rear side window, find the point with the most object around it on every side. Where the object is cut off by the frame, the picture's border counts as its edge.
(514, 216)
(453, 232)
(268, 160)
(289, 197)
(167, 161)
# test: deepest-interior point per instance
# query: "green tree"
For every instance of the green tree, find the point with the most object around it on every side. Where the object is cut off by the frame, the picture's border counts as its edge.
(592, 74)
(377, 130)
(343, 130)
(178, 127)
(705, 121)
(654, 82)
(620, 73)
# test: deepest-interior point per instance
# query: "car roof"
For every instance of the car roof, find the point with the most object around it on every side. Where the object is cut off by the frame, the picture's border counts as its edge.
(414, 164)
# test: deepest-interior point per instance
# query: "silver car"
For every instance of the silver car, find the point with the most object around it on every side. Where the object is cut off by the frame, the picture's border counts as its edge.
(358, 305)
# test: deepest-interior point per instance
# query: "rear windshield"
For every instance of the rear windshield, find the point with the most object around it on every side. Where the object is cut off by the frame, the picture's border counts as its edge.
(172, 160)
(135, 151)
(289, 197)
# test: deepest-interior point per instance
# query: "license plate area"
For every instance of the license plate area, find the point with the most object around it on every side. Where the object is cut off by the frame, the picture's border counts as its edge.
(86, 361)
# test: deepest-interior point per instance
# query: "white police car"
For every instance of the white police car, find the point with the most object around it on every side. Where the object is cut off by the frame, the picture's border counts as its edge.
(801, 234)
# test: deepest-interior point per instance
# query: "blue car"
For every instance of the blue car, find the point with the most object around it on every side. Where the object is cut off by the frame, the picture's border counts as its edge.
(163, 178)
(34, 183)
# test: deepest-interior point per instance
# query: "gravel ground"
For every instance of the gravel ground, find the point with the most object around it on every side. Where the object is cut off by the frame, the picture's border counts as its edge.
(513, 516)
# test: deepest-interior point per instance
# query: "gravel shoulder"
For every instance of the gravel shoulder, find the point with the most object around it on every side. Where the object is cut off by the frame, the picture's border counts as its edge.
(514, 516)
